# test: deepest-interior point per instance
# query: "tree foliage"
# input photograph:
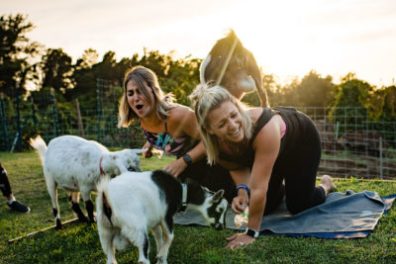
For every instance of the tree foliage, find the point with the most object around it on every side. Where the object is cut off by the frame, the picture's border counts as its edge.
(57, 69)
(16, 55)
(97, 84)
(352, 100)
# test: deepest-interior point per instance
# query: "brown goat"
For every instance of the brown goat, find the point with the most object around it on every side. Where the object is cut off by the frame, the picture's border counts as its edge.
(234, 67)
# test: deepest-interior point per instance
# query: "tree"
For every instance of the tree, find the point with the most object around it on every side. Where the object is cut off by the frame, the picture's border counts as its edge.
(84, 76)
(314, 91)
(181, 78)
(352, 101)
(16, 55)
(287, 95)
(389, 106)
(57, 69)
(105, 68)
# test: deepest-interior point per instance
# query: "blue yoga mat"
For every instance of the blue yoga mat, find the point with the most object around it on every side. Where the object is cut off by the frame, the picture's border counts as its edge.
(343, 215)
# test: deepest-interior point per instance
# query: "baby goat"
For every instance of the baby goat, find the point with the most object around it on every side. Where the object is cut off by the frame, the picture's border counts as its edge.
(76, 164)
(134, 203)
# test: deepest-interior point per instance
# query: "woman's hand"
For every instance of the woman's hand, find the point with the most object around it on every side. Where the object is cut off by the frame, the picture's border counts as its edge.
(240, 202)
(239, 240)
(147, 153)
(147, 150)
(176, 167)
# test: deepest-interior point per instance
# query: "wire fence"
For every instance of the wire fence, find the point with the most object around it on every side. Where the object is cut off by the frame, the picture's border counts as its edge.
(354, 146)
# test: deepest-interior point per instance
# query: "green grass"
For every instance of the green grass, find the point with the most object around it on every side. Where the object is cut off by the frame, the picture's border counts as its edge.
(79, 243)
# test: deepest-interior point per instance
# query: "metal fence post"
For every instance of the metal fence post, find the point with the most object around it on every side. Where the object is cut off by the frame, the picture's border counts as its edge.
(3, 117)
(381, 167)
(55, 113)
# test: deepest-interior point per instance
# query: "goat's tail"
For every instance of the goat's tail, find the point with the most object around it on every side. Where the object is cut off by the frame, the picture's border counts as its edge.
(40, 146)
(103, 203)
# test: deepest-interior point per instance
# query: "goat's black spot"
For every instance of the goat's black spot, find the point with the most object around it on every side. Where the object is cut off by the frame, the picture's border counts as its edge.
(90, 210)
(213, 213)
(146, 246)
(170, 190)
(106, 208)
(196, 194)
(76, 208)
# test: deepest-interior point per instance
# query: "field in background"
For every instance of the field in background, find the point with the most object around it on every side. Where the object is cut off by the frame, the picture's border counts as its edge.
(79, 243)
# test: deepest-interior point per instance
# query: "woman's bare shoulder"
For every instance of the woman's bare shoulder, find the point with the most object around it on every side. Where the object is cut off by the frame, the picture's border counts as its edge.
(181, 118)
(179, 112)
(255, 113)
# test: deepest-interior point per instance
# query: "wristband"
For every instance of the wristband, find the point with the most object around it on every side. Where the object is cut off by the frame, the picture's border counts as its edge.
(187, 159)
(252, 233)
(244, 187)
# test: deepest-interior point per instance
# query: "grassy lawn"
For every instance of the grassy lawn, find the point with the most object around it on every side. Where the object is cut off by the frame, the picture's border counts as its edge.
(79, 243)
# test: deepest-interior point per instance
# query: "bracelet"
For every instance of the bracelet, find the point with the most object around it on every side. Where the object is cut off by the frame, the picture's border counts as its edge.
(252, 233)
(244, 187)
(187, 159)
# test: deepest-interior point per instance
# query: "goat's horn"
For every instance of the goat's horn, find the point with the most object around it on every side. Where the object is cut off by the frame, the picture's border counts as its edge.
(202, 69)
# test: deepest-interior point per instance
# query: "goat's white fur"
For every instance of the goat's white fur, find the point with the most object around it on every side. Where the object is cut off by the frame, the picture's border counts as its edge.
(74, 164)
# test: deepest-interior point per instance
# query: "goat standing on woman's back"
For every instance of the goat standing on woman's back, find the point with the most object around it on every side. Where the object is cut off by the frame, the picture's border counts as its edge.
(134, 203)
(76, 164)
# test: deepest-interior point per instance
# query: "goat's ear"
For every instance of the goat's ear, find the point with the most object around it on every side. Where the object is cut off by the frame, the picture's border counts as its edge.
(119, 163)
(138, 151)
(218, 195)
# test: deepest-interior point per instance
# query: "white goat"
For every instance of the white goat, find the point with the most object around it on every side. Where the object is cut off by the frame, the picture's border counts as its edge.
(134, 203)
(76, 164)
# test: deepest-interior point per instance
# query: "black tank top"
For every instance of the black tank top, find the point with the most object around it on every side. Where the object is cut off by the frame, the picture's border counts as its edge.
(244, 156)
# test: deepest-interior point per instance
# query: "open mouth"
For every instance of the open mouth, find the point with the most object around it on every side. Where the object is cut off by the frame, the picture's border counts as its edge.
(139, 106)
(235, 133)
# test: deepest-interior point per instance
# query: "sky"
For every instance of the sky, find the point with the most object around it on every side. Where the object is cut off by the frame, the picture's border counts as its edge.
(289, 38)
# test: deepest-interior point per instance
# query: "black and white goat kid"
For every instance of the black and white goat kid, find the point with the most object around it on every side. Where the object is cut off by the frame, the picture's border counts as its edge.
(134, 203)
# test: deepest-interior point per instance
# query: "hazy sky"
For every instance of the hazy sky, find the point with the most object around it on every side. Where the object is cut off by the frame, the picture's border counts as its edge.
(287, 37)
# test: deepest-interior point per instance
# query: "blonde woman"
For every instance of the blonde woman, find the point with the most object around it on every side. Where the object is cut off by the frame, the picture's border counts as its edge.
(262, 148)
(170, 127)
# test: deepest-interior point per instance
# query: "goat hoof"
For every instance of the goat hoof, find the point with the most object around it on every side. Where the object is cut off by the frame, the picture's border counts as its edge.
(92, 219)
(58, 224)
(82, 219)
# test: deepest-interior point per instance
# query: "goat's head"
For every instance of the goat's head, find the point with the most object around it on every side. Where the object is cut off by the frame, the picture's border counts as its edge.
(121, 161)
(214, 208)
(234, 67)
(240, 68)
(131, 159)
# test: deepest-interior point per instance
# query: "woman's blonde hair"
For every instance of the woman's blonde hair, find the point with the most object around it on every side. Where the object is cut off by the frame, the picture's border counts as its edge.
(206, 98)
(143, 77)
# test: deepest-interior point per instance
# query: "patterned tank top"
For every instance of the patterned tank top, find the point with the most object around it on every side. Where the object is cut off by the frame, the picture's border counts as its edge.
(173, 146)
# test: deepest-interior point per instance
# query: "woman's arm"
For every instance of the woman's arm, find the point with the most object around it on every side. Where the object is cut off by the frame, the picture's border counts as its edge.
(182, 122)
(266, 146)
(241, 201)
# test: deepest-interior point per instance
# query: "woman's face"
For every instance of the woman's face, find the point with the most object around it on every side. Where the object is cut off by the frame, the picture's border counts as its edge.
(139, 103)
(225, 122)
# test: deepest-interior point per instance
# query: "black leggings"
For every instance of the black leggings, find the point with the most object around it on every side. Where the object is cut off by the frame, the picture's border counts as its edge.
(213, 177)
(5, 186)
(294, 173)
